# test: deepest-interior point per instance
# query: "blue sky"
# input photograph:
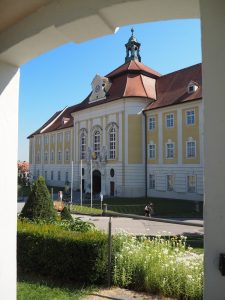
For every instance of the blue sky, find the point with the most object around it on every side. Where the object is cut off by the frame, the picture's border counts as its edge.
(63, 75)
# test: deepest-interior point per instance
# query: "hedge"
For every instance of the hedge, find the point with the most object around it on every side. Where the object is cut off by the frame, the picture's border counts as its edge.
(44, 249)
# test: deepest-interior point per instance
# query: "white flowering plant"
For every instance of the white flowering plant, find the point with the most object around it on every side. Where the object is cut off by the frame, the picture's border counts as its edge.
(159, 265)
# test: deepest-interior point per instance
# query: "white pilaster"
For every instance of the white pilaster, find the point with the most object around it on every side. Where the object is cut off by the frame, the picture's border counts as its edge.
(160, 134)
(213, 24)
(179, 136)
(104, 131)
(9, 94)
(120, 146)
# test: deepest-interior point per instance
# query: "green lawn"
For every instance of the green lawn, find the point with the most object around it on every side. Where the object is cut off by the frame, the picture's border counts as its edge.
(162, 207)
(33, 288)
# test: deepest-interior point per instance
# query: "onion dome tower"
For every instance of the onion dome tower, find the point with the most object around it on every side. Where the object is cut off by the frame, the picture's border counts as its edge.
(132, 48)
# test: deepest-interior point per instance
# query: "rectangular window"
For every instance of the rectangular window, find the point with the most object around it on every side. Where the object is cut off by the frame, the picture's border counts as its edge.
(152, 181)
(46, 156)
(190, 117)
(46, 175)
(59, 175)
(170, 150)
(67, 137)
(38, 173)
(59, 138)
(59, 156)
(52, 139)
(170, 183)
(67, 176)
(191, 184)
(191, 149)
(38, 157)
(46, 139)
(170, 120)
(52, 156)
(67, 155)
(52, 175)
(152, 151)
(152, 123)
(112, 143)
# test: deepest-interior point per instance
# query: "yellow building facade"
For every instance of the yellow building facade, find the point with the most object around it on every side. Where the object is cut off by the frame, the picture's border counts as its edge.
(138, 133)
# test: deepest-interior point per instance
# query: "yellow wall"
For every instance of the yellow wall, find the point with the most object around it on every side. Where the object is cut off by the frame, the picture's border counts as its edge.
(170, 133)
(38, 148)
(67, 145)
(52, 148)
(152, 135)
(190, 131)
(134, 139)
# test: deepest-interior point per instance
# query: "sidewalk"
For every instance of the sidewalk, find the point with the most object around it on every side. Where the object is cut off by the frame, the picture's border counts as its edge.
(123, 294)
(140, 227)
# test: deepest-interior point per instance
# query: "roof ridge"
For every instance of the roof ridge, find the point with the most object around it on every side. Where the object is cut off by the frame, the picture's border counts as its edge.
(180, 70)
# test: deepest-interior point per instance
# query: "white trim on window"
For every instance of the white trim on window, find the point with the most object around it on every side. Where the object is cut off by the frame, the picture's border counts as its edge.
(151, 181)
(190, 148)
(170, 150)
(170, 120)
(190, 117)
(59, 156)
(170, 182)
(97, 142)
(112, 143)
(151, 151)
(191, 183)
(152, 123)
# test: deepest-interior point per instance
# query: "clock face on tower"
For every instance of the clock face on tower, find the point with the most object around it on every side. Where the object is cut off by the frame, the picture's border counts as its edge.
(97, 88)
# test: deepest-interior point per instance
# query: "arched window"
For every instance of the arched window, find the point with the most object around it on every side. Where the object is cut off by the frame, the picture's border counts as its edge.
(97, 143)
(112, 143)
(83, 145)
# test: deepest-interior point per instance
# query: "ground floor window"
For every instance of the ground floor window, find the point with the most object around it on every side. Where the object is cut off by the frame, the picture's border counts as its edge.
(67, 176)
(52, 175)
(170, 182)
(46, 175)
(59, 175)
(152, 181)
(191, 183)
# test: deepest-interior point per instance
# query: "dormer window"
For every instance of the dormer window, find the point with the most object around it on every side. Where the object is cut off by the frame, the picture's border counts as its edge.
(192, 87)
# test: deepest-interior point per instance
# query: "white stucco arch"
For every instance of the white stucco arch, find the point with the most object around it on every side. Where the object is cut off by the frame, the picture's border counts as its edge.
(52, 23)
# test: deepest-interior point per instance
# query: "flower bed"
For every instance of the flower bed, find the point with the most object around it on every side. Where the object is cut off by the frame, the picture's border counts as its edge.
(159, 266)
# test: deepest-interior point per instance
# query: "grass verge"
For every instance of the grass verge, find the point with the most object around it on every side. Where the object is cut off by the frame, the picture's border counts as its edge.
(30, 287)
(162, 207)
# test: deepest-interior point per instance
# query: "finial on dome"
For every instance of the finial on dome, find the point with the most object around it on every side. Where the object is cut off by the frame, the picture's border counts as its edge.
(132, 48)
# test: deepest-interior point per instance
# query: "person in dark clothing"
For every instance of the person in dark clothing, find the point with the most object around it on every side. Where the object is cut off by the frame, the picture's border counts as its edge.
(149, 210)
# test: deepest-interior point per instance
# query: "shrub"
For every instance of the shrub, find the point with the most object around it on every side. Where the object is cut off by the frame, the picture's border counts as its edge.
(39, 204)
(159, 266)
(65, 214)
(46, 249)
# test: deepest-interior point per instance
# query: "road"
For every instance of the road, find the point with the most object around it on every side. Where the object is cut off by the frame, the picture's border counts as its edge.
(137, 227)
(141, 227)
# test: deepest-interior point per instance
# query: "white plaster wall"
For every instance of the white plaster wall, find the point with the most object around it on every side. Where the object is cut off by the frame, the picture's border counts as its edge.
(180, 186)
(213, 42)
(9, 93)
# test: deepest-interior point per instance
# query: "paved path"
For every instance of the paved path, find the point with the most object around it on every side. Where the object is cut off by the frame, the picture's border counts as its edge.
(123, 294)
(142, 226)
(137, 226)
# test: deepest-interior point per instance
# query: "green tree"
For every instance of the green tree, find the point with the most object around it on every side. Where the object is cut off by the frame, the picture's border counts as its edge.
(65, 214)
(39, 204)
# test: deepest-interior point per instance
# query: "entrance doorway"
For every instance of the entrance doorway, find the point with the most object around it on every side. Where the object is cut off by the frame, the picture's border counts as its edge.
(96, 182)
